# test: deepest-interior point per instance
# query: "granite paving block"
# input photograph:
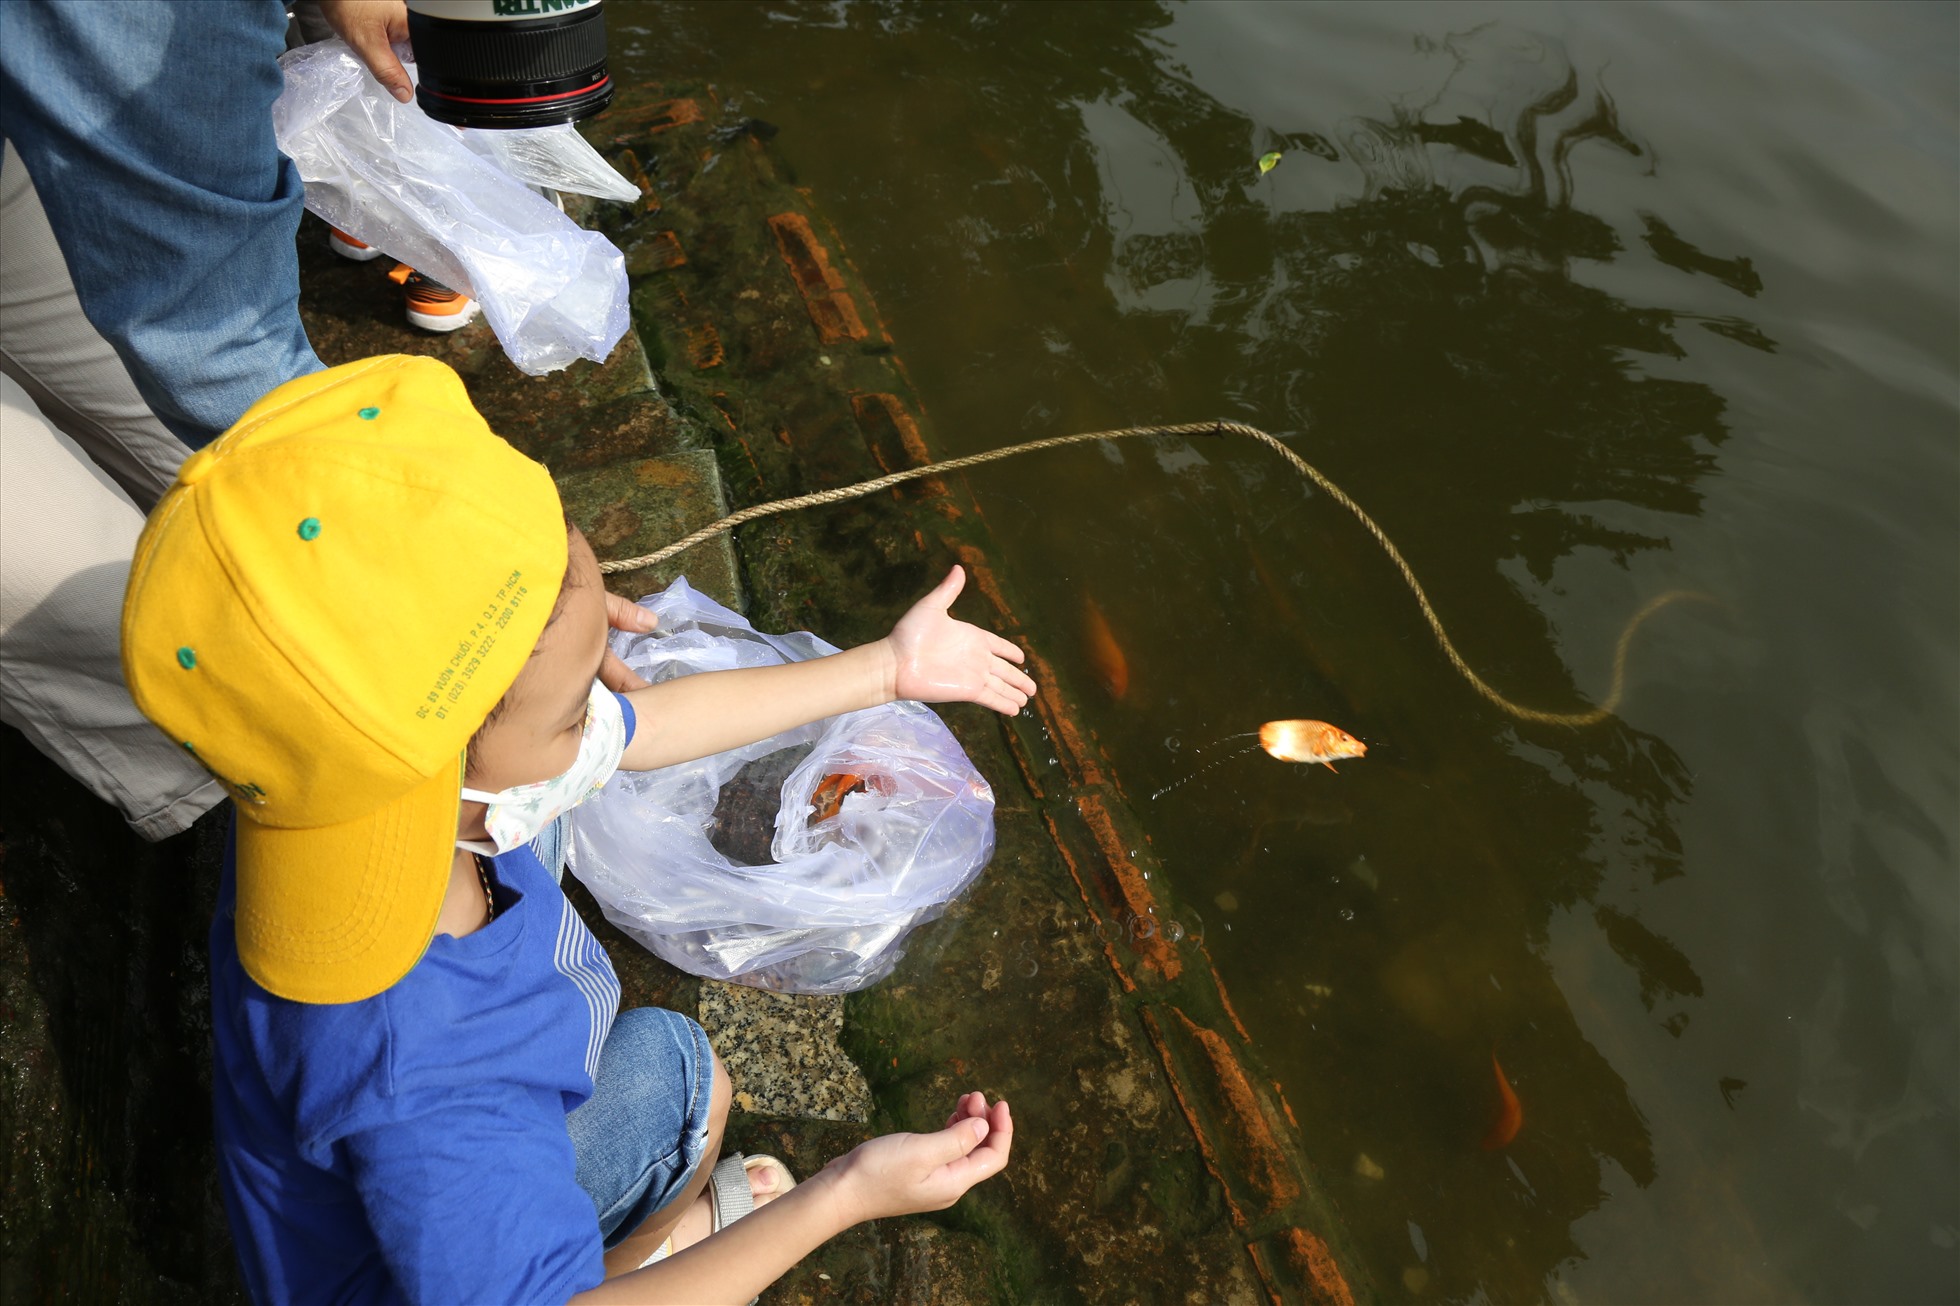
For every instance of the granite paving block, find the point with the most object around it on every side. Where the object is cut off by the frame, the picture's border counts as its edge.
(782, 1052)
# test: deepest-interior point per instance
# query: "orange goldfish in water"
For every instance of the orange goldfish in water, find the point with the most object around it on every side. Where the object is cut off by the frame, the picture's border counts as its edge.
(1510, 1116)
(1310, 741)
(1105, 654)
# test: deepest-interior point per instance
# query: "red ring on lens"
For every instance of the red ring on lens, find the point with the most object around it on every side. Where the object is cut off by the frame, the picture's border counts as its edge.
(516, 99)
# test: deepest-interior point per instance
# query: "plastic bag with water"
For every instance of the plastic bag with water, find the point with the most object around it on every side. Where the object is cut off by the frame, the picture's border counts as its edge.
(845, 881)
(389, 175)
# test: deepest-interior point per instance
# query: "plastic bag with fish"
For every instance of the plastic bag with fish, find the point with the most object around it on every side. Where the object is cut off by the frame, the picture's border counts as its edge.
(882, 823)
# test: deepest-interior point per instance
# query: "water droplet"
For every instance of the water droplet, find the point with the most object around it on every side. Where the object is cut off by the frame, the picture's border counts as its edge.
(1347, 913)
(1173, 931)
(1108, 931)
(1030, 968)
(1142, 927)
(1173, 743)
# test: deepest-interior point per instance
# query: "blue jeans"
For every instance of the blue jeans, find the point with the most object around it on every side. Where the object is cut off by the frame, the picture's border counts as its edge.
(644, 1131)
(147, 128)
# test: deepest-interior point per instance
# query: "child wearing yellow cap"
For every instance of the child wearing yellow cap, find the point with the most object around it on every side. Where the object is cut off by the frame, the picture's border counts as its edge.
(365, 614)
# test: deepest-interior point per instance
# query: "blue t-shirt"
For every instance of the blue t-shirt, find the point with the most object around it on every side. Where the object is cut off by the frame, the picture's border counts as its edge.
(412, 1147)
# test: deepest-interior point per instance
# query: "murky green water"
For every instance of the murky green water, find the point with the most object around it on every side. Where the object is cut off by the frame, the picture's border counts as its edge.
(1584, 305)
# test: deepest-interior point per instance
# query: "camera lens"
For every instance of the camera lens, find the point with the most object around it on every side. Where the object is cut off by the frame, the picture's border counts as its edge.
(509, 63)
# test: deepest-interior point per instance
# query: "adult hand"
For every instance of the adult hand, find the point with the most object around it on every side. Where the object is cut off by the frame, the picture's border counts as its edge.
(372, 29)
(900, 1174)
(937, 659)
(626, 615)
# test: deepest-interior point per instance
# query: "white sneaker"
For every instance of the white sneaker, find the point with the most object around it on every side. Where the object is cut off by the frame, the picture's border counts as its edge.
(347, 247)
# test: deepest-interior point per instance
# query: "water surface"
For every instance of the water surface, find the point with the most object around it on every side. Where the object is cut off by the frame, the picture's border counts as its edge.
(1583, 304)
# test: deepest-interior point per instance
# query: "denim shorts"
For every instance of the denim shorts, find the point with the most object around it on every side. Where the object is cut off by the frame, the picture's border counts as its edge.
(644, 1131)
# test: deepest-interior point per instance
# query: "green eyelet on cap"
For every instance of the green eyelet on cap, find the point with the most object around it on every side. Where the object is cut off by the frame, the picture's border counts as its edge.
(186, 657)
(310, 529)
(368, 414)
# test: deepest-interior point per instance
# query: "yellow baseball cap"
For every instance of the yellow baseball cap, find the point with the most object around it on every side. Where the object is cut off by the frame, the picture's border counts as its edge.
(322, 610)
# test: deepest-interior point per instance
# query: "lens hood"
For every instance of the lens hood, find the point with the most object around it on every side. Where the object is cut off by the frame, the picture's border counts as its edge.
(509, 63)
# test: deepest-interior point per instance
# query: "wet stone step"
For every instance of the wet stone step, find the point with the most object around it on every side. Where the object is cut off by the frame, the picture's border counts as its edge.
(632, 508)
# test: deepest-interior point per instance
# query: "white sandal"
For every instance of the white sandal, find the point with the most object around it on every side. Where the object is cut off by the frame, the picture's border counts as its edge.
(729, 1196)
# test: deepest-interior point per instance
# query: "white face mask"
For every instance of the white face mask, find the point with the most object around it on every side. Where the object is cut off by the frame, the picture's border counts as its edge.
(519, 814)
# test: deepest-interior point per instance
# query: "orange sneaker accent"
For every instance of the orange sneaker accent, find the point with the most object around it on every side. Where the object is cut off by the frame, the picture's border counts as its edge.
(432, 305)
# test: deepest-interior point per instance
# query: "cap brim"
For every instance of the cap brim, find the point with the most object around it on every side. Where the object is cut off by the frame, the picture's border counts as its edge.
(338, 913)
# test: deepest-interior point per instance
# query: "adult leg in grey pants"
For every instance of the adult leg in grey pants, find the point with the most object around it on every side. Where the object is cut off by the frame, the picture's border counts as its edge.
(81, 460)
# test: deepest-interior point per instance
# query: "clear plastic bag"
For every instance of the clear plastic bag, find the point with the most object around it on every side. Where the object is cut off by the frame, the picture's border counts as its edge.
(557, 158)
(391, 176)
(882, 822)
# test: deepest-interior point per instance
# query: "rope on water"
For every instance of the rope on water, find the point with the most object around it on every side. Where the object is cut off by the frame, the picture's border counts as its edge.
(1591, 716)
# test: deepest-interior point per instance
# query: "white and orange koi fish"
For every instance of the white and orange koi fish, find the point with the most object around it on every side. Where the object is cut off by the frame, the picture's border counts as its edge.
(1310, 742)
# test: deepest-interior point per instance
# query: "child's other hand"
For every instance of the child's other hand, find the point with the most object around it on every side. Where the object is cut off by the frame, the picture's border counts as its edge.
(626, 615)
(939, 659)
(901, 1174)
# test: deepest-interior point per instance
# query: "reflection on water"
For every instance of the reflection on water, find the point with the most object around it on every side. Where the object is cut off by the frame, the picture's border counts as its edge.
(1441, 290)
(1650, 299)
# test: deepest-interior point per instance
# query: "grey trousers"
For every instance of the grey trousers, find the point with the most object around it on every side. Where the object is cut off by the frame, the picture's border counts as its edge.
(82, 459)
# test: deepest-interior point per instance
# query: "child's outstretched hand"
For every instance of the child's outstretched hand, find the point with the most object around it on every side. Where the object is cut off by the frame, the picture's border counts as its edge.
(936, 658)
(900, 1174)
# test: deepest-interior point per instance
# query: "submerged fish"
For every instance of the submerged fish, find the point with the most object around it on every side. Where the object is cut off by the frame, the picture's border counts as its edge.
(1309, 741)
(1105, 654)
(1510, 1116)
